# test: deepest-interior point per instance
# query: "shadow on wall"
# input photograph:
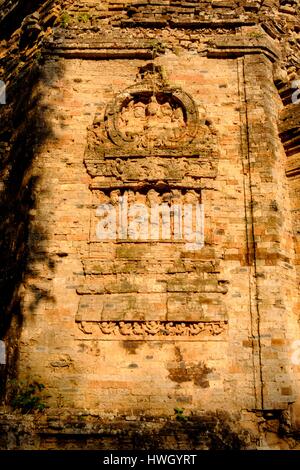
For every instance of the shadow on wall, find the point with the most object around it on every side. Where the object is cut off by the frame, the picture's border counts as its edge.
(23, 130)
(13, 13)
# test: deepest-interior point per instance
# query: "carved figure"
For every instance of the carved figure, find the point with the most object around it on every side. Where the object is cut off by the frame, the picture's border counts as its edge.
(107, 328)
(153, 124)
(154, 328)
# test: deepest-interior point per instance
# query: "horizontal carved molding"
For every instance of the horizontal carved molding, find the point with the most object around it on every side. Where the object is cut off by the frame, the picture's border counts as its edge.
(234, 52)
(103, 53)
(153, 330)
(102, 49)
(99, 267)
(202, 183)
(162, 22)
(153, 306)
(177, 286)
(233, 46)
(178, 153)
(147, 54)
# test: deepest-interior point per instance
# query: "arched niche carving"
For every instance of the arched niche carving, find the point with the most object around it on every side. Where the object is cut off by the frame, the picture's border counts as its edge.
(147, 117)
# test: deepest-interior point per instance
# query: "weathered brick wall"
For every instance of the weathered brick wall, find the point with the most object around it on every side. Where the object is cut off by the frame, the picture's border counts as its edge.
(136, 329)
(72, 196)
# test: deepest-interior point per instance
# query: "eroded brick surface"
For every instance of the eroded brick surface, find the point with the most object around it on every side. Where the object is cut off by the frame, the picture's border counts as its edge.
(163, 104)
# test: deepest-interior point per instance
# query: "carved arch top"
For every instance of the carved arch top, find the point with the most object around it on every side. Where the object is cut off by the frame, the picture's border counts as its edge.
(152, 131)
(146, 116)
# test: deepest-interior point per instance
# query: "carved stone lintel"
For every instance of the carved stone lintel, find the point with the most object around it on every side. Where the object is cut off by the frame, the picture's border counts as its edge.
(152, 329)
(152, 132)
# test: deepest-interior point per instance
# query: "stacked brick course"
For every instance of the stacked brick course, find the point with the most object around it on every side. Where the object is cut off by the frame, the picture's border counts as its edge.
(125, 330)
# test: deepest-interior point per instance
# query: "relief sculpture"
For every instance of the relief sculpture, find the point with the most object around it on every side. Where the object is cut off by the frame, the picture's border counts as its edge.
(150, 158)
(153, 122)
(152, 329)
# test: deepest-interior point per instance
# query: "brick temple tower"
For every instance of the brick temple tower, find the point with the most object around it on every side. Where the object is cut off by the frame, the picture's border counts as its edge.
(119, 118)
